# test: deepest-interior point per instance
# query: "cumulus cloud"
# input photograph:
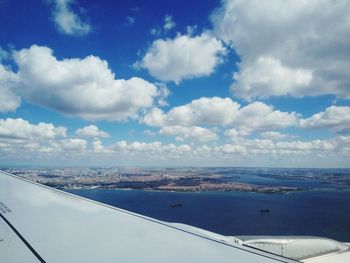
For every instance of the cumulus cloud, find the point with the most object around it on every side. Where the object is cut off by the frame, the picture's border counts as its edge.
(9, 101)
(66, 20)
(337, 118)
(304, 53)
(20, 138)
(183, 57)
(91, 131)
(86, 87)
(202, 111)
(73, 145)
(194, 132)
(267, 75)
(256, 116)
(22, 129)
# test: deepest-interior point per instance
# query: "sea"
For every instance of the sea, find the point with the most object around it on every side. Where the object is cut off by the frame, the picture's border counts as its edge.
(322, 211)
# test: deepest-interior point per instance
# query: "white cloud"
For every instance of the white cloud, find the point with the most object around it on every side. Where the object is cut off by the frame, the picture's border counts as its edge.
(91, 131)
(44, 142)
(163, 93)
(171, 150)
(202, 111)
(279, 149)
(73, 145)
(235, 134)
(183, 57)
(290, 47)
(244, 151)
(9, 101)
(168, 22)
(80, 87)
(337, 118)
(20, 138)
(302, 146)
(275, 135)
(66, 20)
(267, 76)
(256, 116)
(194, 132)
(22, 129)
(231, 149)
(232, 133)
(155, 117)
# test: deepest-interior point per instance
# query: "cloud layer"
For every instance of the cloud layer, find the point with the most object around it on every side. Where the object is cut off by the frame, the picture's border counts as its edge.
(45, 141)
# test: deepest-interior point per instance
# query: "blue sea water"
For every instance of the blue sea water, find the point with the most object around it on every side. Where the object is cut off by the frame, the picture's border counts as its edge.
(319, 213)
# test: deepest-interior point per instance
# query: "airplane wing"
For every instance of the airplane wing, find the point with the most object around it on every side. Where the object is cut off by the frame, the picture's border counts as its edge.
(42, 224)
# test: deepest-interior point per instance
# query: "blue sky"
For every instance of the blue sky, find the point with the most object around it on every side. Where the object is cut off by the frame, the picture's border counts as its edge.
(175, 83)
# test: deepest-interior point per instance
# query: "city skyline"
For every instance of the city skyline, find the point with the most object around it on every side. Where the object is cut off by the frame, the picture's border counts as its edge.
(164, 83)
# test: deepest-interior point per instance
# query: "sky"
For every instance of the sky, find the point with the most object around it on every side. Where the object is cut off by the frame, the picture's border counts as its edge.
(175, 83)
